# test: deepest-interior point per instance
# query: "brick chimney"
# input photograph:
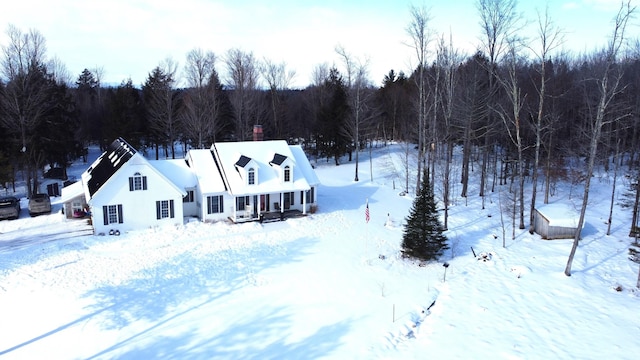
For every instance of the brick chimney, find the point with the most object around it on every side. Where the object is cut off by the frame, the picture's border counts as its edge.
(257, 133)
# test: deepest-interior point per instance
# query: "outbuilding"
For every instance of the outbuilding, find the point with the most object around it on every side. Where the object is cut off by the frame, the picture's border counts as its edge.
(556, 221)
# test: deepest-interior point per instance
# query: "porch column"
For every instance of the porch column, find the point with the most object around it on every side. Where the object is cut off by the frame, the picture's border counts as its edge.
(235, 208)
(258, 208)
(304, 202)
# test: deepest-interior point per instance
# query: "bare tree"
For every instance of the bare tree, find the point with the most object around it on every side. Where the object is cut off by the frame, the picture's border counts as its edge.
(25, 99)
(447, 61)
(609, 86)
(59, 72)
(418, 30)
(499, 21)
(550, 37)
(201, 101)
(242, 80)
(23, 57)
(511, 118)
(278, 78)
(359, 93)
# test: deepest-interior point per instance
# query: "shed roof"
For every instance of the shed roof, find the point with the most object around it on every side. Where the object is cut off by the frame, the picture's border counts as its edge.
(560, 214)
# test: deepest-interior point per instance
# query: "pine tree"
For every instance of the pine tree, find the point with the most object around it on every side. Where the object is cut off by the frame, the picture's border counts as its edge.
(423, 238)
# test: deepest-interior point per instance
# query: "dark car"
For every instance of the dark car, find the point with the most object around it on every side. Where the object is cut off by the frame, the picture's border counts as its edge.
(39, 204)
(9, 207)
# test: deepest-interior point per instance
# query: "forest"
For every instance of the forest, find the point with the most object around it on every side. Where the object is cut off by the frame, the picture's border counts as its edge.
(517, 108)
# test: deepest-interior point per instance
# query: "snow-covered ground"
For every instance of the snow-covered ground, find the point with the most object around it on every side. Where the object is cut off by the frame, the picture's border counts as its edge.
(328, 285)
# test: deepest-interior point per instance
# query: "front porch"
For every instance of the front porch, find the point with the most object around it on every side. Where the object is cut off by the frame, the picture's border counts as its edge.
(267, 207)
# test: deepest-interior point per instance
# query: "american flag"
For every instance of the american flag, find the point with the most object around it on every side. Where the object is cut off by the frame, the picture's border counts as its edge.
(366, 212)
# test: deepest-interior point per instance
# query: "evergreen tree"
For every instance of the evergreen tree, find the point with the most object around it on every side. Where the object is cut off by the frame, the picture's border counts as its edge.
(332, 118)
(423, 238)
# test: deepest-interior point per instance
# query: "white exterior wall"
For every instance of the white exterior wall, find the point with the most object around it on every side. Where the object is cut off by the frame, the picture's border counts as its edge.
(191, 209)
(138, 207)
(228, 203)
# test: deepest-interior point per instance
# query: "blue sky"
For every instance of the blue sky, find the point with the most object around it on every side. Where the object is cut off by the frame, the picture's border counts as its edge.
(129, 38)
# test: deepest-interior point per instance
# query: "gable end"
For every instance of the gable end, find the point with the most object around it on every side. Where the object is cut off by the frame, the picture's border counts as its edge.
(116, 155)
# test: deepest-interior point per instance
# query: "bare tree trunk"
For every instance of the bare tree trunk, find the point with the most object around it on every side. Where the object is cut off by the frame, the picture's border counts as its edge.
(419, 32)
(607, 93)
(550, 37)
(635, 231)
(613, 187)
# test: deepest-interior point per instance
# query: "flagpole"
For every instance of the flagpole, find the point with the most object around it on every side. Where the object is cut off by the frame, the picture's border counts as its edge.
(366, 239)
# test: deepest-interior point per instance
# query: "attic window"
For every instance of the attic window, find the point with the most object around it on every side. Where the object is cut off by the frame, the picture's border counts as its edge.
(287, 173)
(137, 182)
(251, 176)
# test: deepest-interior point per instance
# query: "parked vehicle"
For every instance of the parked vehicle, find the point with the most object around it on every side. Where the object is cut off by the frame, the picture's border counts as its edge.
(9, 207)
(39, 204)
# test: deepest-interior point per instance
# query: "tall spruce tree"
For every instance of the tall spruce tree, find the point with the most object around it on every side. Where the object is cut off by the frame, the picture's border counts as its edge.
(423, 236)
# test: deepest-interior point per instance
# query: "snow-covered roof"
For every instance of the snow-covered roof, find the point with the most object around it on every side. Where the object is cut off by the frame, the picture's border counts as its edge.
(71, 191)
(560, 214)
(206, 171)
(177, 171)
(263, 153)
(116, 155)
(304, 165)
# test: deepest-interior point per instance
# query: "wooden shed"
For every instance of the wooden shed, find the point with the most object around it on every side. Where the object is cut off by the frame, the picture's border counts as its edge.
(556, 221)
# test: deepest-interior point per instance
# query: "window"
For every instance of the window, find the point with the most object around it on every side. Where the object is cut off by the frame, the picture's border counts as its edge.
(310, 194)
(251, 176)
(137, 182)
(189, 197)
(214, 204)
(242, 202)
(287, 173)
(164, 209)
(112, 214)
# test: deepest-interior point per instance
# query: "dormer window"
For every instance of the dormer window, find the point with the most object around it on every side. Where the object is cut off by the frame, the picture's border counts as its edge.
(251, 176)
(137, 182)
(287, 173)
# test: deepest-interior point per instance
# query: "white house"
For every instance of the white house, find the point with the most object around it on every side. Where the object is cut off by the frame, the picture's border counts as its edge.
(239, 181)
(125, 192)
(265, 179)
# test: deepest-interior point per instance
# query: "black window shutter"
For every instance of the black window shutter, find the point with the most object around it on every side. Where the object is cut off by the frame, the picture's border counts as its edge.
(171, 213)
(120, 218)
(130, 184)
(292, 197)
(301, 196)
(208, 204)
(144, 183)
(105, 215)
(158, 210)
(221, 205)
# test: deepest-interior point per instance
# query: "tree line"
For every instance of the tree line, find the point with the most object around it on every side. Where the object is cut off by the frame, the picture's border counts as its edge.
(515, 108)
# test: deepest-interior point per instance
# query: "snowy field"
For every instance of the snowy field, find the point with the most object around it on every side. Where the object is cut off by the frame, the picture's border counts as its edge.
(326, 286)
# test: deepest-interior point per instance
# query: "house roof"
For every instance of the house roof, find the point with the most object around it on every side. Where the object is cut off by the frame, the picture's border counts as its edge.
(206, 171)
(560, 214)
(304, 165)
(116, 155)
(71, 192)
(177, 171)
(263, 153)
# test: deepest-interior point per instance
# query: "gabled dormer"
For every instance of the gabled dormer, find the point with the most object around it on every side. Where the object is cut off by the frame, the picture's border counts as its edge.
(248, 170)
(284, 167)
